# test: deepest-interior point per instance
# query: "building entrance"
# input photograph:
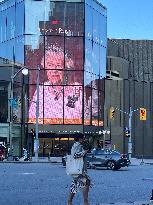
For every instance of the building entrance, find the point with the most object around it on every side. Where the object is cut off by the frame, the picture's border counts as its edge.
(57, 146)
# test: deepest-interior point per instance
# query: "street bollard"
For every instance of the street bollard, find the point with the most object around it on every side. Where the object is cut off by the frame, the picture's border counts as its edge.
(49, 156)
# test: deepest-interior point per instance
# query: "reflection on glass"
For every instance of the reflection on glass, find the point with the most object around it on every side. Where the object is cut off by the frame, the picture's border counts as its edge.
(32, 109)
(16, 103)
(87, 106)
(19, 18)
(74, 47)
(95, 107)
(11, 23)
(96, 26)
(88, 55)
(95, 59)
(19, 50)
(103, 30)
(102, 61)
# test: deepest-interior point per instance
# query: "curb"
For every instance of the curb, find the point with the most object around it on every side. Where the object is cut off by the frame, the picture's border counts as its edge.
(30, 162)
(127, 203)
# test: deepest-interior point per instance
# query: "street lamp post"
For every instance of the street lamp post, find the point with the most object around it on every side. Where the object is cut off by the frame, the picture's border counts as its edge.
(24, 72)
(36, 141)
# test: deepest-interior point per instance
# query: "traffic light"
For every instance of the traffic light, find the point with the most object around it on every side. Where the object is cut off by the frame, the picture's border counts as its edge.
(143, 114)
(111, 113)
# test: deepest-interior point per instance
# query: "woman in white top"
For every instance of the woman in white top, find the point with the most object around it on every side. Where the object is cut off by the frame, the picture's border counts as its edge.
(81, 181)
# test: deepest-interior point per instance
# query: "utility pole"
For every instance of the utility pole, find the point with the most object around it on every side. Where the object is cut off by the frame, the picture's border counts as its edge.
(130, 114)
(130, 129)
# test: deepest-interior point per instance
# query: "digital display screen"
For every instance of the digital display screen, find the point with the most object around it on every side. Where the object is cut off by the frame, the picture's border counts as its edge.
(60, 57)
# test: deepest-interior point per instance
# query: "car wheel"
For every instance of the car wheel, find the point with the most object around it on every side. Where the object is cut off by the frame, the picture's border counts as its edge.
(111, 165)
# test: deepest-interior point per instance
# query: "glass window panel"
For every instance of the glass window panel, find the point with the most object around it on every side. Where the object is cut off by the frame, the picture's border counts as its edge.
(73, 104)
(103, 30)
(3, 47)
(10, 50)
(17, 90)
(54, 52)
(74, 53)
(73, 78)
(19, 1)
(55, 23)
(36, 12)
(101, 84)
(53, 104)
(87, 79)
(19, 50)
(96, 26)
(88, 21)
(3, 7)
(89, 2)
(32, 104)
(88, 55)
(95, 107)
(54, 77)
(102, 61)
(87, 106)
(34, 51)
(4, 103)
(11, 23)
(19, 18)
(103, 11)
(95, 59)
(3, 20)
(33, 76)
(101, 108)
(95, 80)
(74, 23)
(1, 27)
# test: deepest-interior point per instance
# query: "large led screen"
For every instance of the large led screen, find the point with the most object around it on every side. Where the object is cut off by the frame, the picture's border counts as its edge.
(60, 58)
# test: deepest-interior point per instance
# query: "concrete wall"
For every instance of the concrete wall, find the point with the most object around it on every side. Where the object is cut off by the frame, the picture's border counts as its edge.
(136, 91)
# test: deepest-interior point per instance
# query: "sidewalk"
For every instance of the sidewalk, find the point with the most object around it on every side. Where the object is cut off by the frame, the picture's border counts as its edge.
(135, 161)
(40, 160)
(134, 203)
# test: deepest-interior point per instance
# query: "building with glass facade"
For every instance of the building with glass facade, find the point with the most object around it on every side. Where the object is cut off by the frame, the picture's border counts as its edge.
(67, 40)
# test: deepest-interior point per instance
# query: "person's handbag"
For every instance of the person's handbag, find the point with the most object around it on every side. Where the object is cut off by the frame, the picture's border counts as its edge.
(74, 166)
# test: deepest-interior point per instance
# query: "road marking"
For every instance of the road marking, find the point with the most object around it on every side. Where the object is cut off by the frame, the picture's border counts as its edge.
(27, 173)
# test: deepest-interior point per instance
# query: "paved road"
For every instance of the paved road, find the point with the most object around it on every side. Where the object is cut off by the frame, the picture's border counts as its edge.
(47, 184)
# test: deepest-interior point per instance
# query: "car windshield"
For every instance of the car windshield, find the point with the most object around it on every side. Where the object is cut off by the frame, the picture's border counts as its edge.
(115, 152)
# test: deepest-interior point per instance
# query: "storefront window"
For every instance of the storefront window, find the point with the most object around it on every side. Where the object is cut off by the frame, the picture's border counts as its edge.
(4, 103)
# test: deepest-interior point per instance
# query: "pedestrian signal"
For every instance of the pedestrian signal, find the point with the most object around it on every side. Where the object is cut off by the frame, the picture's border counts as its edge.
(143, 114)
(33, 132)
(127, 133)
(112, 113)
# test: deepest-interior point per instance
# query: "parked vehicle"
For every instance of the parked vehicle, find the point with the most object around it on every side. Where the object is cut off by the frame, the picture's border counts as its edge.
(109, 158)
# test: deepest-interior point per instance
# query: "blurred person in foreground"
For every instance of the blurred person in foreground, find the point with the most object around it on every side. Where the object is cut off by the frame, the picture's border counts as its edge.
(81, 181)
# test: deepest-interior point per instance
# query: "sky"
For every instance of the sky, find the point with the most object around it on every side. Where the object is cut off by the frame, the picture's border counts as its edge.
(129, 19)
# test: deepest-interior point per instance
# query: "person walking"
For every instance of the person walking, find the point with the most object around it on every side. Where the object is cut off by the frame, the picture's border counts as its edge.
(80, 181)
